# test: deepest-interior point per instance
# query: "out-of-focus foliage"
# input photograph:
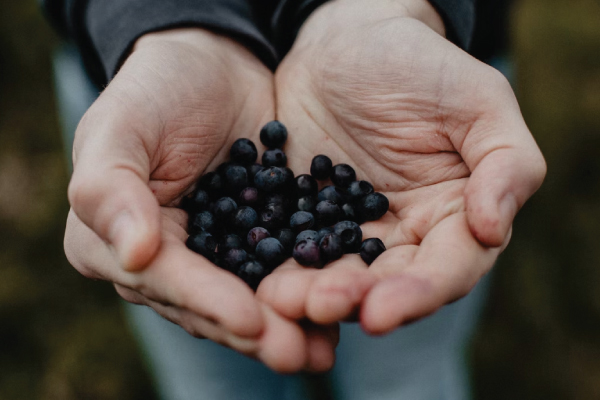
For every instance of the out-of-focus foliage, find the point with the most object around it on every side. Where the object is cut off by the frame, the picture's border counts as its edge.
(62, 337)
(541, 333)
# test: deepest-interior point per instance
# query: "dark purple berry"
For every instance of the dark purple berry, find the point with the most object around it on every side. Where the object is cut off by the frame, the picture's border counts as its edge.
(196, 201)
(256, 235)
(274, 158)
(243, 151)
(270, 252)
(233, 259)
(308, 235)
(245, 219)
(287, 238)
(225, 207)
(273, 135)
(307, 203)
(348, 212)
(270, 179)
(358, 190)
(289, 178)
(202, 243)
(321, 167)
(249, 197)
(273, 217)
(253, 170)
(252, 272)
(306, 185)
(371, 249)
(236, 178)
(351, 235)
(333, 193)
(373, 206)
(343, 175)
(324, 231)
(204, 220)
(327, 212)
(213, 184)
(307, 253)
(301, 221)
(228, 242)
(331, 247)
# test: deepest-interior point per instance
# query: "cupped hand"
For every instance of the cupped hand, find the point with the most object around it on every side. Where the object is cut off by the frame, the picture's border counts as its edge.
(170, 114)
(377, 86)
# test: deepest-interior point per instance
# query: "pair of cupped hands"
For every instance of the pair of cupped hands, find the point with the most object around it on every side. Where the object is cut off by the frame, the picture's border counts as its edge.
(371, 84)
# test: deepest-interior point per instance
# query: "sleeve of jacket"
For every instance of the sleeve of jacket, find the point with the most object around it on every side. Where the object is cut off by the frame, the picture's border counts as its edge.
(105, 30)
(458, 15)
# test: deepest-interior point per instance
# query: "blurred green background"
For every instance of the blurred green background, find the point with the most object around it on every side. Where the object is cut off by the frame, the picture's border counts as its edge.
(64, 337)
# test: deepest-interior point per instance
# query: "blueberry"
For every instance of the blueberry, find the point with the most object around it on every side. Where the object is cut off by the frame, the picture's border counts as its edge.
(236, 178)
(245, 219)
(253, 170)
(348, 212)
(287, 238)
(307, 203)
(306, 185)
(274, 158)
(273, 217)
(233, 259)
(196, 201)
(343, 175)
(252, 272)
(333, 193)
(204, 220)
(202, 243)
(321, 167)
(307, 253)
(359, 189)
(289, 178)
(301, 221)
(212, 183)
(243, 151)
(373, 206)
(256, 235)
(278, 199)
(273, 135)
(224, 209)
(270, 179)
(228, 242)
(371, 249)
(250, 197)
(308, 235)
(324, 231)
(270, 252)
(328, 212)
(351, 235)
(332, 247)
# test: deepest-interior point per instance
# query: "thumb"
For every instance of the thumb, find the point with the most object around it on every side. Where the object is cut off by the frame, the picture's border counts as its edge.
(109, 188)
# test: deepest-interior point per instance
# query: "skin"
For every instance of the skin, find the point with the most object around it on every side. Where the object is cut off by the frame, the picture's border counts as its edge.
(435, 130)
(374, 85)
(170, 114)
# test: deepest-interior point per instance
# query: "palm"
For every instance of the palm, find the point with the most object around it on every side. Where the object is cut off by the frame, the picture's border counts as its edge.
(408, 114)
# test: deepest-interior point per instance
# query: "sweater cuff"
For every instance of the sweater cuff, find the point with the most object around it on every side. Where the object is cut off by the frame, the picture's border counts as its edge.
(458, 16)
(113, 26)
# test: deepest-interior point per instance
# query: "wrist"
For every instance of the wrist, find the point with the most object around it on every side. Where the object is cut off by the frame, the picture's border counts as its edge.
(338, 16)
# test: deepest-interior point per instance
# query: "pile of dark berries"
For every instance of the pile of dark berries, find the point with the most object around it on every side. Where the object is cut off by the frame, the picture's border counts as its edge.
(248, 218)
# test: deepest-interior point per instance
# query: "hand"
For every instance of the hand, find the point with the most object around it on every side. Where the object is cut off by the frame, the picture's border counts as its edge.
(375, 85)
(179, 101)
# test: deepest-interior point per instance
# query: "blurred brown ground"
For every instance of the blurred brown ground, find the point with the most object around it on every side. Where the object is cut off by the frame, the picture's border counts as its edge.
(63, 337)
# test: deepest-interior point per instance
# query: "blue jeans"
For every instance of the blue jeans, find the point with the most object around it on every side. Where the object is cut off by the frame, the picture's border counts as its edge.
(424, 361)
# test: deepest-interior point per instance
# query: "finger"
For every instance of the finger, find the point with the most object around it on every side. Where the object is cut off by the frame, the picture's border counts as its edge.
(448, 263)
(322, 341)
(338, 290)
(176, 276)
(109, 189)
(506, 163)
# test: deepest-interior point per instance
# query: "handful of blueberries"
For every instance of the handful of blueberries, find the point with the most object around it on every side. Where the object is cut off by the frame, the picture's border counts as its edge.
(249, 218)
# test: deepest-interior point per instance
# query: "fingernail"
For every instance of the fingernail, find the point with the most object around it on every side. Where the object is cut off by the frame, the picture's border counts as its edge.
(122, 236)
(243, 345)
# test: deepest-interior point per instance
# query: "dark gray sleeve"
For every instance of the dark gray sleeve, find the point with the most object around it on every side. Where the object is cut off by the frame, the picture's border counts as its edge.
(105, 30)
(458, 15)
